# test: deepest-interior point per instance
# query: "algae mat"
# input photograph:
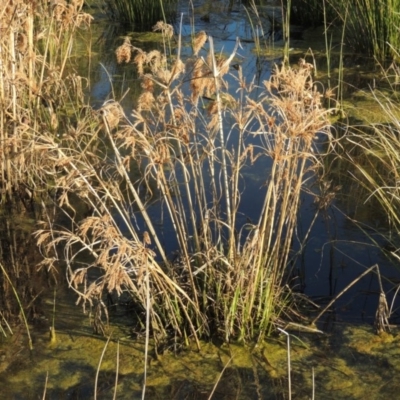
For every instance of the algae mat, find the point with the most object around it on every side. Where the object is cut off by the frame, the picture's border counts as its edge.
(349, 363)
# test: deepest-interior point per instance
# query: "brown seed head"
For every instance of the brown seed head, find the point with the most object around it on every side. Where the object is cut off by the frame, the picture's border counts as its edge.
(199, 41)
(124, 52)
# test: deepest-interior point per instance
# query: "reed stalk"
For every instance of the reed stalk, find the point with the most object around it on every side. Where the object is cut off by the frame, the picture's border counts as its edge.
(286, 9)
(96, 380)
(142, 14)
(21, 308)
(289, 365)
(186, 163)
(371, 25)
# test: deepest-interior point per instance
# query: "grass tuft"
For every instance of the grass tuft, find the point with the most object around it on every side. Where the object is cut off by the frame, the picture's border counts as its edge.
(172, 155)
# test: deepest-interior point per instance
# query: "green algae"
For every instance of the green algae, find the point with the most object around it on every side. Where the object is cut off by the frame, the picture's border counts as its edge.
(352, 362)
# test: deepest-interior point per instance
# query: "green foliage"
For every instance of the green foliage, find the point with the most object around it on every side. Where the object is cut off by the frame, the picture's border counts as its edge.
(372, 26)
(141, 15)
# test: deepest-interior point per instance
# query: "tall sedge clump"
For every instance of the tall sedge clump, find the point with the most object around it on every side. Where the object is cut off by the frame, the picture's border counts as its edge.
(375, 163)
(35, 44)
(176, 164)
(141, 14)
(35, 89)
(371, 25)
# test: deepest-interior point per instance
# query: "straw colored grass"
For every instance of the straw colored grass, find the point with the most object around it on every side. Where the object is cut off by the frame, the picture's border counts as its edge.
(35, 91)
(228, 278)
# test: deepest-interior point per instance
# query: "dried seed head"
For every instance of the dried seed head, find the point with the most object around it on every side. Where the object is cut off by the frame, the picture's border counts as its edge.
(156, 60)
(199, 41)
(78, 4)
(22, 43)
(178, 68)
(330, 93)
(164, 28)
(222, 66)
(124, 52)
(59, 8)
(83, 19)
(179, 114)
(164, 75)
(140, 60)
(200, 79)
(112, 114)
(146, 238)
(212, 107)
(304, 64)
(146, 101)
(147, 83)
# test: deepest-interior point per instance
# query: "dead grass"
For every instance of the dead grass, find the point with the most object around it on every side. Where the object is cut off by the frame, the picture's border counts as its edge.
(230, 278)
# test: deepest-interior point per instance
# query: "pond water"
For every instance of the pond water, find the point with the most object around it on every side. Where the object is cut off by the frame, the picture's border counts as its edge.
(347, 360)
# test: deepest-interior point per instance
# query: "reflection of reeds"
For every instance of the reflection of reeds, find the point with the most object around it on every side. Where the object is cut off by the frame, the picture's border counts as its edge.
(376, 162)
(227, 278)
(21, 308)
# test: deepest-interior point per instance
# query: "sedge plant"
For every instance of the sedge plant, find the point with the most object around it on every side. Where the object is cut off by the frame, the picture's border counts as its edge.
(371, 25)
(180, 156)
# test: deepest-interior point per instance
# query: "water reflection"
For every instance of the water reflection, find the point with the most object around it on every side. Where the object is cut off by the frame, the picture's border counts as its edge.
(336, 253)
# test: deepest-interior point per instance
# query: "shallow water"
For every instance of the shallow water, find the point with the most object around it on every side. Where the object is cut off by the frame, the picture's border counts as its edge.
(349, 361)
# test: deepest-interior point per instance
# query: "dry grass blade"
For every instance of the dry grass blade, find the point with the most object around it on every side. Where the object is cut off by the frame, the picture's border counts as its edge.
(116, 373)
(219, 378)
(98, 367)
(174, 159)
(288, 363)
(323, 311)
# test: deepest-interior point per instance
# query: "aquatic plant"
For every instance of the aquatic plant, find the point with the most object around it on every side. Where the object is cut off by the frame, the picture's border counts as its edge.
(21, 308)
(375, 160)
(35, 43)
(33, 83)
(179, 158)
(371, 25)
(141, 15)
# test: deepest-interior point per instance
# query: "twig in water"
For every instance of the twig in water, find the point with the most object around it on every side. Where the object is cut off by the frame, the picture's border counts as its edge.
(219, 378)
(342, 292)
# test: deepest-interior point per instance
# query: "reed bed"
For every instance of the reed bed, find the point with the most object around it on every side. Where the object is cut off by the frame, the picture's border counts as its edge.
(36, 92)
(34, 88)
(374, 157)
(372, 26)
(184, 157)
(141, 14)
(181, 152)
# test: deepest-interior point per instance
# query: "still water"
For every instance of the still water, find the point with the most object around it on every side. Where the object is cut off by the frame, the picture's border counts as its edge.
(346, 361)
